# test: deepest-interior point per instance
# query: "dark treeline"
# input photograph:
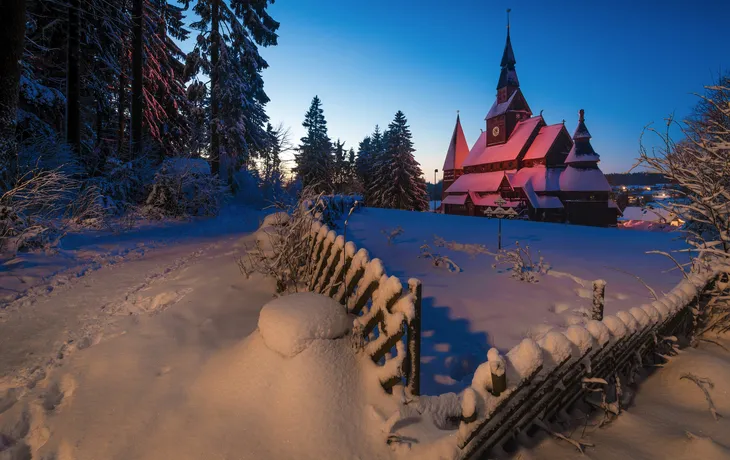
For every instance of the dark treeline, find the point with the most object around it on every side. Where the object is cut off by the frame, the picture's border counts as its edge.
(93, 84)
(637, 178)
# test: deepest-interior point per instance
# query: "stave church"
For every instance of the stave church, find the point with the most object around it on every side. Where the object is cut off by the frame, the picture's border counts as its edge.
(523, 167)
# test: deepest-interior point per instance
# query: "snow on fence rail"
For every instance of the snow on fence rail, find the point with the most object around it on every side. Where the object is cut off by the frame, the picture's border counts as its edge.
(385, 315)
(537, 379)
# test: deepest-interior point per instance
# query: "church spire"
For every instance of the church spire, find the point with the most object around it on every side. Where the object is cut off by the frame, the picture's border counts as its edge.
(582, 154)
(458, 148)
(508, 76)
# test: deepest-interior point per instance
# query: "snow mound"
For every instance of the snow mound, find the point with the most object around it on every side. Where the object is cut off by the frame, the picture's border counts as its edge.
(276, 219)
(290, 323)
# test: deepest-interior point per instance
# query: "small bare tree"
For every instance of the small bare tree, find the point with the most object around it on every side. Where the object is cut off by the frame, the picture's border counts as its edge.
(700, 165)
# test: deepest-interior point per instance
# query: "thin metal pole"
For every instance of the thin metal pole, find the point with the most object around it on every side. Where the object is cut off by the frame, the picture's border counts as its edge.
(499, 243)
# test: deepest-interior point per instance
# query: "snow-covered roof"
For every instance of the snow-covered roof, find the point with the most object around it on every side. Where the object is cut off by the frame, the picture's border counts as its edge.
(544, 140)
(583, 180)
(481, 154)
(499, 109)
(458, 148)
(454, 199)
(478, 182)
(648, 214)
(581, 132)
(542, 179)
(567, 179)
(540, 201)
(575, 157)
(490, 199)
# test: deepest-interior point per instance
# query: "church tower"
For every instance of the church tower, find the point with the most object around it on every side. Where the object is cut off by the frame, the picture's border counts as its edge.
(510, 106)
(458, 150)
(582, 154)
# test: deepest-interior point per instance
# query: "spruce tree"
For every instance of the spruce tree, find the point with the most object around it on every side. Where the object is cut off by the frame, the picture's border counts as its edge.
(399, 182)
(227, 50)
(314, 157)
(378, 144)
(339, 176)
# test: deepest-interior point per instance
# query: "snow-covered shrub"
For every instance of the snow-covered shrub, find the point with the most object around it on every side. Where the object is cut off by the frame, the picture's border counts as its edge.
(523, 267)
(121, 185)
(438, 260)
(472, 249)
(183, 187)
(30, 211)
(392, 234)
(283, 246)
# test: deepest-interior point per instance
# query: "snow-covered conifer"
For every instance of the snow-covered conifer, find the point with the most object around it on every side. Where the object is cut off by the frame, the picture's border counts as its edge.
(314, 157)
(398, 180)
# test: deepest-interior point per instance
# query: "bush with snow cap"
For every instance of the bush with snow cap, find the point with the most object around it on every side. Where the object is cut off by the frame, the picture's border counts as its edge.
(290, 323)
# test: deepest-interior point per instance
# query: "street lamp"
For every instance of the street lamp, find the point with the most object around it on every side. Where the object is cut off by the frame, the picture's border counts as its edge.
(434, 189)
(500, 202)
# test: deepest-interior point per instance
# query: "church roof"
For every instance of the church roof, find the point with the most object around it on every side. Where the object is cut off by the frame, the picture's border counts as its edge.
(540, 201)
(458, 148)
(481, 154)
(500, 109)
(567, 179)
(544, 140)
(478, 182)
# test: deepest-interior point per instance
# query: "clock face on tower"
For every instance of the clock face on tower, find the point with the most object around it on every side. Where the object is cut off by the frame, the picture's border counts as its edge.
(495, 131)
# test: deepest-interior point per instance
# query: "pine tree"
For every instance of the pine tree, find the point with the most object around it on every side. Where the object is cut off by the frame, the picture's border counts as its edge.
(339, 175)
(378, 145)
(227, 50)
(314, 157)
(399, 182)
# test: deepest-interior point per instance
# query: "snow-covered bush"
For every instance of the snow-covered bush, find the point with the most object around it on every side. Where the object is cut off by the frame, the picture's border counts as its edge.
(121, 185)
(392, 234)
(469, 248)
(523, 266)
(438, 260)
(283, 246)
(30, 211)
(183, 187)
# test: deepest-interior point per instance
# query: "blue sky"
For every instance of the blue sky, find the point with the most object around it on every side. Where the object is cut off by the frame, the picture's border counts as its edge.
(625, 63)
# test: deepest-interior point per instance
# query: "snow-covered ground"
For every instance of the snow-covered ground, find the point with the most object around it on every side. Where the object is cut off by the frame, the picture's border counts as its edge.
(158, 354)
(466, 313)
(668, 418)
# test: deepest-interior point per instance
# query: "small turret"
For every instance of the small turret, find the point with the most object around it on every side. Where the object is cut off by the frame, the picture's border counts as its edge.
(582, 154)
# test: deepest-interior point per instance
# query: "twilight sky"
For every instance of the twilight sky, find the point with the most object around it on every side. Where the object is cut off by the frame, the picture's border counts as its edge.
(627, 63)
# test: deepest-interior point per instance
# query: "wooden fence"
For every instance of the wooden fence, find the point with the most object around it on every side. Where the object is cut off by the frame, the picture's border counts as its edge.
(535, 380)
(388, 315)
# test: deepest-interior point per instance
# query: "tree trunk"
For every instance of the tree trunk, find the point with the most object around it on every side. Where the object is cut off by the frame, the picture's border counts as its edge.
(137, 88)
(73, 79)
(214, 57)
(12, 36)
(122, 95)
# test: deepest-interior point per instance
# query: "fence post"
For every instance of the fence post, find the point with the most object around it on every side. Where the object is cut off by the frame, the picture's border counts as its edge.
(414, 339)
(599, 293)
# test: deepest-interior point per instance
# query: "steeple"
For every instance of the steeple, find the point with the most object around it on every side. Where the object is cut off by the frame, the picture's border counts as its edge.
(455, 156)
(458, 148)
(582, 154)
(508, 76)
